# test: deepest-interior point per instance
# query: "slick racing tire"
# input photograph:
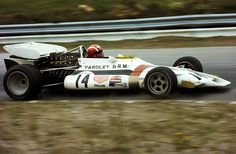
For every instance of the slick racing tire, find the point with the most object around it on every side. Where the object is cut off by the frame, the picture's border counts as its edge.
(23, 82)
(189, 62)
(160, 81)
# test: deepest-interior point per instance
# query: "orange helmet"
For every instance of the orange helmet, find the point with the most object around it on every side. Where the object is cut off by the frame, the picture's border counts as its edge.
(95, 51)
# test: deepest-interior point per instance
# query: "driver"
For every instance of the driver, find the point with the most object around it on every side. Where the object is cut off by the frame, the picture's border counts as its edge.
(95, 51)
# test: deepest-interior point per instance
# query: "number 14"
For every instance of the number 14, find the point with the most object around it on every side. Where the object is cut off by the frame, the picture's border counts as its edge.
(83, 80)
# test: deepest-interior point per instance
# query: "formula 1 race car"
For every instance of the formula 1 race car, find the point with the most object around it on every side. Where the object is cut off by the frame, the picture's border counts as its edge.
(33, 66)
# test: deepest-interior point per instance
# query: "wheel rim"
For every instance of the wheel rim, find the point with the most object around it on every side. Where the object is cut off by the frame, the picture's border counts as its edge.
(17, 83)
(158, 83)
(186, 64)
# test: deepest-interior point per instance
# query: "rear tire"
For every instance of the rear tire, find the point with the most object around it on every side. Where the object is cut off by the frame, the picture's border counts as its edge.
(160, 81)
(189, 62)
(23, 82)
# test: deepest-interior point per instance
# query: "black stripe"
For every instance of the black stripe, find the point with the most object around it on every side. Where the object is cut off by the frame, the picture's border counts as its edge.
(108, 72)
(195, 76)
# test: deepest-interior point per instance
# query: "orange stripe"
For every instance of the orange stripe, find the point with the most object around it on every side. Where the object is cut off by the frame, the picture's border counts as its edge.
(138, 70)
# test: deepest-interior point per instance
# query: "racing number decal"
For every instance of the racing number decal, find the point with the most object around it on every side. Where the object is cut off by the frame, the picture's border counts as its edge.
(84, 80)
(77, 81)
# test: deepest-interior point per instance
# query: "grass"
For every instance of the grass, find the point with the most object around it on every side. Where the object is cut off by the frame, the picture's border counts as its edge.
(34, 11)
(160, 42)
(84, 127)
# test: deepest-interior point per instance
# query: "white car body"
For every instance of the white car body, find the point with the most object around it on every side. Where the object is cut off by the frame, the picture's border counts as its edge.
(33, 50)
(131, 71)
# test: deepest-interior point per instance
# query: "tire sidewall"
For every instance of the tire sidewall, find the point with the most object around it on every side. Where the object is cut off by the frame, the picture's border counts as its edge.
(34, 77)
(197, 66)
(170, 76)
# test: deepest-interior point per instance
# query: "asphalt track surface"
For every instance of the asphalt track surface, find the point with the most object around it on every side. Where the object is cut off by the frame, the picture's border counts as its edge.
(220, 61)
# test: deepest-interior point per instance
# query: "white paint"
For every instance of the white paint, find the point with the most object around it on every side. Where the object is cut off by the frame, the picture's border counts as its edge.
(129, 102)
(233, 103)
(65, 101)
(34, 101)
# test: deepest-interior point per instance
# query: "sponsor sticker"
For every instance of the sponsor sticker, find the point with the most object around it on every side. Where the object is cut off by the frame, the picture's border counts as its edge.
(120, 66)
(116, 81)
(100, 79)
(103, 67)
(121, 85)
(96, 67)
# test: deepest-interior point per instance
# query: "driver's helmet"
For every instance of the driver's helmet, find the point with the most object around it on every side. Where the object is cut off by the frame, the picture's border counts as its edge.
(95, 51)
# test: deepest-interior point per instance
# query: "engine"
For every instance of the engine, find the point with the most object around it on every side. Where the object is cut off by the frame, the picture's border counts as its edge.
(56, 60)
(57, 66)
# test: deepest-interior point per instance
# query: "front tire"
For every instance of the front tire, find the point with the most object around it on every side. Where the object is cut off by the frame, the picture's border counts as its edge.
(189, 62)
(160, 81)
(23, 82)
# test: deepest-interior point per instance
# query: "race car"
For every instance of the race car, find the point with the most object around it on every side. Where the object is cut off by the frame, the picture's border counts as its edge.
(33, 66)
